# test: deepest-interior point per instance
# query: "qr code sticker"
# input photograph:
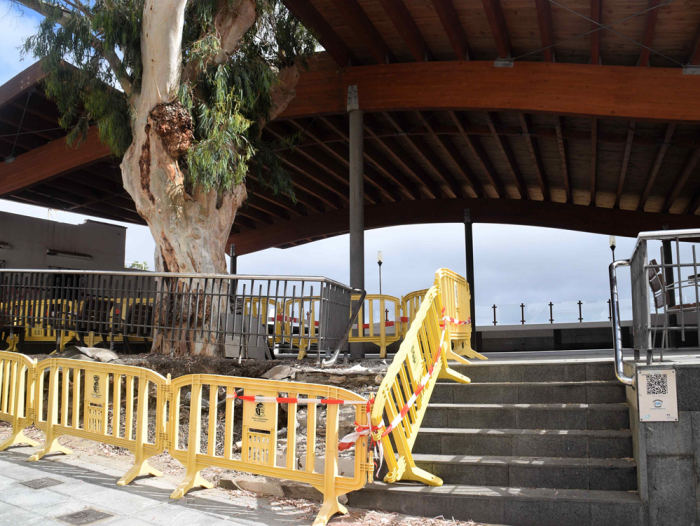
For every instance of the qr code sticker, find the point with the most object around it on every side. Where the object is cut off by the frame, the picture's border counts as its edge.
(657, 384)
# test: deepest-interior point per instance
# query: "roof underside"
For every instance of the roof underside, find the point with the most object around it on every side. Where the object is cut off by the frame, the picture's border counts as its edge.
(510, 165)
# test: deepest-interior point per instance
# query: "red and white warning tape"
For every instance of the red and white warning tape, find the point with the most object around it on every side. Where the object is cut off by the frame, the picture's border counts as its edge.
(454, 321)
(285, 400)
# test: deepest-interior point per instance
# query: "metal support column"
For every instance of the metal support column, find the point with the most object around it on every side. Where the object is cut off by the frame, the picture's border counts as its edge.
(469, 248)
(667, 247)
(357, 207)
(233, 264)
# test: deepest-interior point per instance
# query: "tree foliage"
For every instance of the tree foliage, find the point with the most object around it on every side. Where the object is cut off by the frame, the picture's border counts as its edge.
(228, 101)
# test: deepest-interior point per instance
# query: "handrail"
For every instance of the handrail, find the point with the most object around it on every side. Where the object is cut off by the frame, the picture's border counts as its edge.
(617, 331)
(353, 318)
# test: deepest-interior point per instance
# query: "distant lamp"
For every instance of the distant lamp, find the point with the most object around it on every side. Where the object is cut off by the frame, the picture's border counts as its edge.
(613, 244)
(380, 260)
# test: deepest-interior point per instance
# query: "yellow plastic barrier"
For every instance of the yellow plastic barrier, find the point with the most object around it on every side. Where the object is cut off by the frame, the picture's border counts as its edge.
(425, 349)
(377, 331)
(84, 399)
(456, 301)
(259, 429)
(410, 305)
(77, 404)
(17, 374)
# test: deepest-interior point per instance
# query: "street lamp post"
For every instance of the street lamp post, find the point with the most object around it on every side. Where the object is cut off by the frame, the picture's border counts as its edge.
(613, 244)
(380, 260)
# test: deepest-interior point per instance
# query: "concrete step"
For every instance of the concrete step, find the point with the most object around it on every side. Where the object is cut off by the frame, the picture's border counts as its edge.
(507, 506)
(528, 416)
(541, 372)
(533, 472)
(596, 392)
(524, 442)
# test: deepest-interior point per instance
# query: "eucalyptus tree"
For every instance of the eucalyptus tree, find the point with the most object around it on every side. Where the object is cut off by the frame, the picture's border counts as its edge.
(181, 90)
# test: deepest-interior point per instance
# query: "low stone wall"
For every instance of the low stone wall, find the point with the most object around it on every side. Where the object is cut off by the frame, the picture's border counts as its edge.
(668, 453)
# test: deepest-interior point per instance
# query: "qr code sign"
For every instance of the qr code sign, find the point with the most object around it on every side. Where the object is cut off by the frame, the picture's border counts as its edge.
(657, 384)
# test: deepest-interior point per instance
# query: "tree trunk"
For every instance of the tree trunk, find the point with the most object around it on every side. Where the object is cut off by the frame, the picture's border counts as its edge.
(190, 231)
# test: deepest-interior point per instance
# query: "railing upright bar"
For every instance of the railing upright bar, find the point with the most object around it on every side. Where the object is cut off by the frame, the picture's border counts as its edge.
(617, 330)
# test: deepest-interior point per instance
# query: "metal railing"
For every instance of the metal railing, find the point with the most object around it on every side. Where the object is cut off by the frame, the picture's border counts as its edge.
(138, 409)
(658, 284)
(177, 310)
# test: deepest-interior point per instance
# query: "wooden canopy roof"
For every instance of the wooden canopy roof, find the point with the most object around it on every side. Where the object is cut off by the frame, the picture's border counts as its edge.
(577, 114)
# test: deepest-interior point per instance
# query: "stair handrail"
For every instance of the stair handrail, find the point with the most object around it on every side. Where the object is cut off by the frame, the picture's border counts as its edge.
(617, 330)
(405, 391)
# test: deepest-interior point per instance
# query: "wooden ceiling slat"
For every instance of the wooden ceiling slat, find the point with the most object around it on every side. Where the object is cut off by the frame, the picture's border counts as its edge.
(533, 148)
(372, 155)
(423, 150)
(329, 39)
(544, 19)
(563, 160)
(682, 178)
(481, 156)
(597, 16)
(625, 163)
(660, 153)
(499, 30)
(694, 204)
(403, 22)
(315, 182)
(403, 160)
(449, 18)
(365, 30)
(508, 155)
(340, 171)
(594, 159)
(649, 30)
(456, 157)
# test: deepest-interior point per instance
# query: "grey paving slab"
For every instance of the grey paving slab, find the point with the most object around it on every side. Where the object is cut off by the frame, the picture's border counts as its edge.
(28, 498)
(77, 488)
(118, 502)
(62, 508)
(15, 516)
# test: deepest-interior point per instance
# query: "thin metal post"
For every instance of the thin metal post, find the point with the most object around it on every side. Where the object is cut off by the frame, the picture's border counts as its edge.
(494, 314)
(580, 313)
(551, 312)
(469, 250)
(522, 313)
(357, 200)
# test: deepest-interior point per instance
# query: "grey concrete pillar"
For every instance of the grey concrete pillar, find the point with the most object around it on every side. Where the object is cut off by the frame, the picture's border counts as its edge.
(357, 205)
(469, 252)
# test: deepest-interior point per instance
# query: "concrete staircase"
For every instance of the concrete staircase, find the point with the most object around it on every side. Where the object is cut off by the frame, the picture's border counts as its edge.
(535, 444)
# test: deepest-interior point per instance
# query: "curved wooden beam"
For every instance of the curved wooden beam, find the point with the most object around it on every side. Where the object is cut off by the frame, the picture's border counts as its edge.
(620, 92)
(506, 211)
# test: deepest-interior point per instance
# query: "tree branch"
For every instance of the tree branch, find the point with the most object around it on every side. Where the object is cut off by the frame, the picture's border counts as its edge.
(46, 9)
(231, 23)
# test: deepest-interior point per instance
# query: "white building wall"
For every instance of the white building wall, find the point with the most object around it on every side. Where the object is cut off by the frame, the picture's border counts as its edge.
(30, 240)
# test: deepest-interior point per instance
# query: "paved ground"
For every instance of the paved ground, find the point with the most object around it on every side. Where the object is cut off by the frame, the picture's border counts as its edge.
(80, 486)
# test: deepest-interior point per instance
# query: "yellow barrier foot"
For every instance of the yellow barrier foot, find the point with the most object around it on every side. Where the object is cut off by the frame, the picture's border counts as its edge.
(54, 447)
(451, 355)
(192, 480)
(301, 355)
(18, 438)
(138, 470)
(451, 374)
(471, 353)
(420, 475)
(330, 507)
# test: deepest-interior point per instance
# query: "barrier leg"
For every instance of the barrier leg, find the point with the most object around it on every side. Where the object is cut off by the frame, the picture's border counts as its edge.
(16, 438)
(331, 506)
(407, 470)
(139, 469)
(450, 374)
(192, 480)
(50, 446)
(451, 355)
(466, 350)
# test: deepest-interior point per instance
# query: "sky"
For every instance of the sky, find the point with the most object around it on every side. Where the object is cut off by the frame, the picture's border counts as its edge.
(513, 264)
